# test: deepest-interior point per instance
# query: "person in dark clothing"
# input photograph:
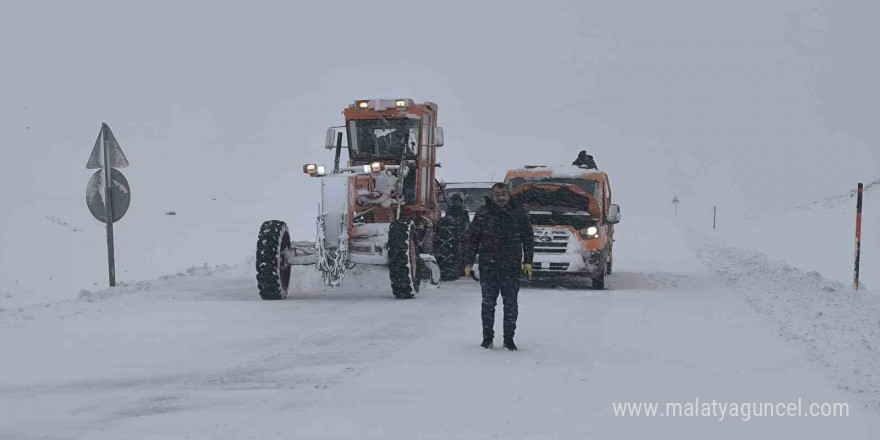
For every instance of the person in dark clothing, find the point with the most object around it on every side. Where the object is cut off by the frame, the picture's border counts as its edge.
(456, 209)
(585, 159)
(462, 218)
(502, 235)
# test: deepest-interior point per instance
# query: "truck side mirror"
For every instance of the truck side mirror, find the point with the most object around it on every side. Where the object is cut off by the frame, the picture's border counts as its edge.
(330, 140)
(438, 136)
(613, 216)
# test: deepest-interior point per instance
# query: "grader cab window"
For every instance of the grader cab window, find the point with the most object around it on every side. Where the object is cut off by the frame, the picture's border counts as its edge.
(383, 138)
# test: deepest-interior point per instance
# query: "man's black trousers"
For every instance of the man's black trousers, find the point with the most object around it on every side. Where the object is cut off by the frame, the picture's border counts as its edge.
(493, 283)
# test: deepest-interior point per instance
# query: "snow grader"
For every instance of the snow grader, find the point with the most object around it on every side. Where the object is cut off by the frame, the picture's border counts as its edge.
(381, 208)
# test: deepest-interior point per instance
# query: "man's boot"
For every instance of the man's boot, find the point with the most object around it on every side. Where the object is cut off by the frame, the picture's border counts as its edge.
(508, 344)
(487, 342)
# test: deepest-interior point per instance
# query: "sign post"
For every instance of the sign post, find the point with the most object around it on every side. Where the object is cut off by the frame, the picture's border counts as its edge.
(858, 236)
(110, 205)
(108, 210)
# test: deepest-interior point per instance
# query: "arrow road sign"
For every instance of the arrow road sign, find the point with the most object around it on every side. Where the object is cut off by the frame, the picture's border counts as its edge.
(117, 157)
(119, 191)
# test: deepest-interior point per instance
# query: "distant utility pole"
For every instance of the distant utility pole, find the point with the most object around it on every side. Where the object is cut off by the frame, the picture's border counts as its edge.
(714, 216)
(675, 203)
(858, 236)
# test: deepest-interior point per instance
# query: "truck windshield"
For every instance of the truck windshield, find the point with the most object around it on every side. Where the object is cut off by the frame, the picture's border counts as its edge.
(587, 185)
(383, 138)
(473, 197)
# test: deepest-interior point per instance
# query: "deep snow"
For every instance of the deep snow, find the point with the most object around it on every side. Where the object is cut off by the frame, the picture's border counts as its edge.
(750, 106)
(198, 355)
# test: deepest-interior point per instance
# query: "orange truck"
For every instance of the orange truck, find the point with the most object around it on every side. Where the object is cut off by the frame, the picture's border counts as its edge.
(572, 217)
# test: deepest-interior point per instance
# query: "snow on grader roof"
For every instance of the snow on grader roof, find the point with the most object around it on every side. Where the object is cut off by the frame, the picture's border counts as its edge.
(385, 104)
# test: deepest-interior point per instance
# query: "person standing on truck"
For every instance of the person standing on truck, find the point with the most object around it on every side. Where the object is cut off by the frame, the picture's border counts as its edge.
(585, 159)
(502, 235)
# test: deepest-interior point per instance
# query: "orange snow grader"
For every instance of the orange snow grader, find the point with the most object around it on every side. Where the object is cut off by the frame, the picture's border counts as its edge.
(381, 207)
(572, 217)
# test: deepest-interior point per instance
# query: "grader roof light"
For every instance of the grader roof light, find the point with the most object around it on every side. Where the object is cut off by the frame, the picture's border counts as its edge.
(363, 104)
(401, 103)
(310, 169)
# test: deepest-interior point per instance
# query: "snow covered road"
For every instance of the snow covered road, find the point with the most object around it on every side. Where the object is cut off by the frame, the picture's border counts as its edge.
(202, 357)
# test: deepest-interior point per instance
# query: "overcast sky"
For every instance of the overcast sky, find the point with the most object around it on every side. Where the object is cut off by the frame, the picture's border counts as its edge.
(752, 105)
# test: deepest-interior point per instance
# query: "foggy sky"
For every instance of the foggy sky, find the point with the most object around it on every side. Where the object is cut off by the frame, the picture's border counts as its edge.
(751, 105)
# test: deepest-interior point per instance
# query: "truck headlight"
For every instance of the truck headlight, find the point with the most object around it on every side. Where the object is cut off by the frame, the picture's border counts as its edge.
(377, 166)
(590, 232)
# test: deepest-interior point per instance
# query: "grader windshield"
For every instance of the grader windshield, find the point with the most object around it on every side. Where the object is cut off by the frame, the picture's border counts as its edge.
(383, 138)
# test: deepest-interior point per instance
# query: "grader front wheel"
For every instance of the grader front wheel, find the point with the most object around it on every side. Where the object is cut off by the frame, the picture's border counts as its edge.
(273, 271)
(403, 259)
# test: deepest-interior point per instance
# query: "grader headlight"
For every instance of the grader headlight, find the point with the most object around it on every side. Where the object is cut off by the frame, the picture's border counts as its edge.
(310, 169)
(377, 166)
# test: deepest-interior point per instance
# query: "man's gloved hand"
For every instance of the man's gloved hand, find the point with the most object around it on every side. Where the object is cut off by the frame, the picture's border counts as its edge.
(469, 270)
(527, 270)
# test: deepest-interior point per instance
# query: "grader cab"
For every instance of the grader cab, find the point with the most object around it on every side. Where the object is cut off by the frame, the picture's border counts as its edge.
(381, 208)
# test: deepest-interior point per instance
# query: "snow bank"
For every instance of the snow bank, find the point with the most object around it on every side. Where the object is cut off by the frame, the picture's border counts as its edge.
(838, 327)
(820, 238)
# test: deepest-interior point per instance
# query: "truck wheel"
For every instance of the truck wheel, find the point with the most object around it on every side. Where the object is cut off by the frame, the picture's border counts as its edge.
(447, 240)
(599, 280)
(273, 272)
(403, 259)
(610, 262)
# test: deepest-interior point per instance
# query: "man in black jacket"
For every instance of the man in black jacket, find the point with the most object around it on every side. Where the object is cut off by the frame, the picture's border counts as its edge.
(502, 235)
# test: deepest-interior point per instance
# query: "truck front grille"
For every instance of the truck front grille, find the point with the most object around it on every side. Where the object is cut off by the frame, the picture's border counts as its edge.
(551, 241)
(558, 267)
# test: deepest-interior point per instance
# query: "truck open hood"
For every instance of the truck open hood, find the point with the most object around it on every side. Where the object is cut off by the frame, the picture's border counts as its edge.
(555, 204)
(563, 197)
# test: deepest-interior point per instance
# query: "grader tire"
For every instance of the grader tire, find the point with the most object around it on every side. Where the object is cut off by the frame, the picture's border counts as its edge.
(403, 259)
(273, 273)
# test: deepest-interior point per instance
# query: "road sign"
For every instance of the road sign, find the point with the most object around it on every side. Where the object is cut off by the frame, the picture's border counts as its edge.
(119, 191)
(108, 193)
(117, 157)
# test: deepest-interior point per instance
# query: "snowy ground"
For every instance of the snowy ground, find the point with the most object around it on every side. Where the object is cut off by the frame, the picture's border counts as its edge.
(200, 356)
(818, 237)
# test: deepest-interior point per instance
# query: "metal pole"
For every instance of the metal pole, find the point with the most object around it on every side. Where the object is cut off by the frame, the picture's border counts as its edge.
(714, 216)
(338, 151)
(858, 236)
(108, 207)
